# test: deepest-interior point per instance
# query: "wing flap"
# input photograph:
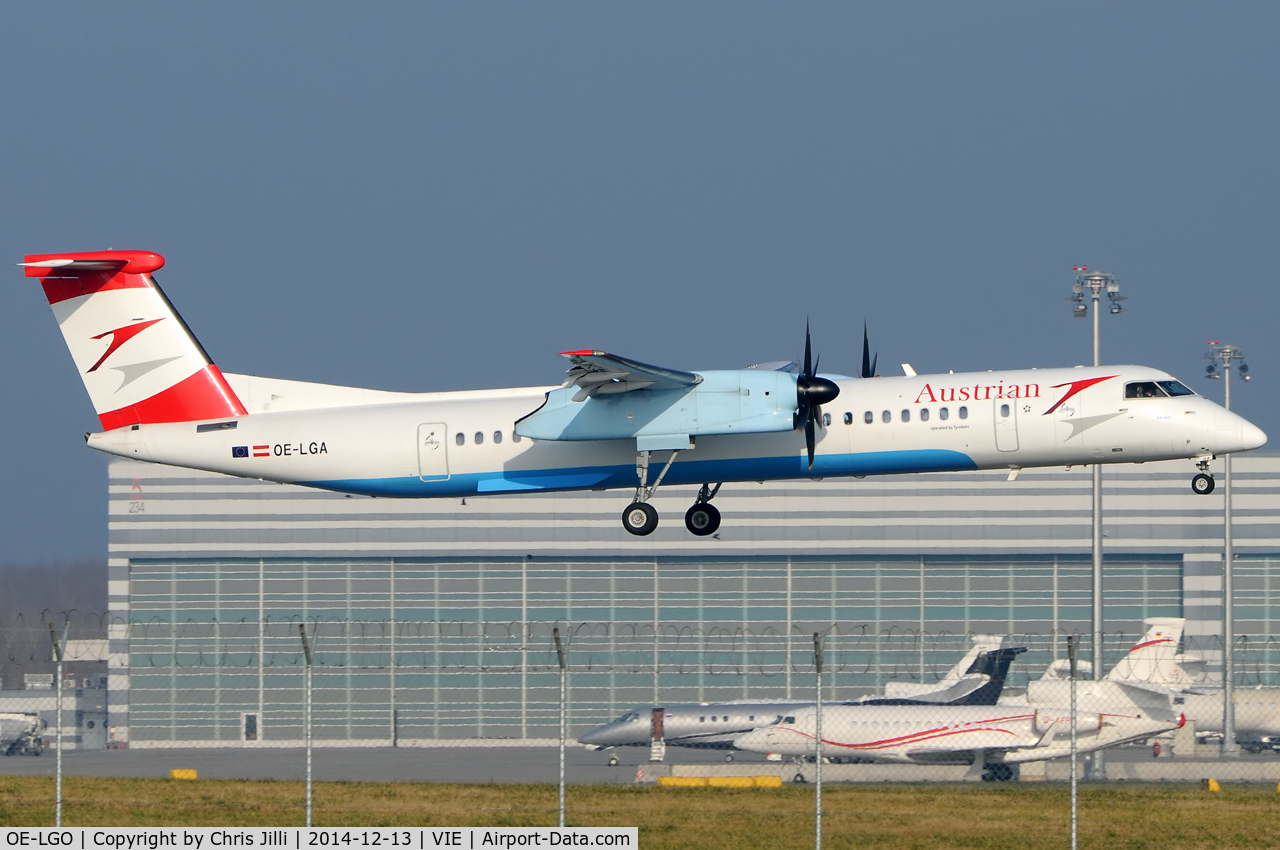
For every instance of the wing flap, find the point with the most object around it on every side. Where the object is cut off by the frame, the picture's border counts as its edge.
(601, 373)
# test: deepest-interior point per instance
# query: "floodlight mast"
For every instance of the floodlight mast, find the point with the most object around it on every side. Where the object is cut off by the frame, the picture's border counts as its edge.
(1095, 283)
(1225, 354)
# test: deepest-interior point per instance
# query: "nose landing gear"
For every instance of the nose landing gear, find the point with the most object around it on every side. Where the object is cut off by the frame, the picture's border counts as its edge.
(1202, 482)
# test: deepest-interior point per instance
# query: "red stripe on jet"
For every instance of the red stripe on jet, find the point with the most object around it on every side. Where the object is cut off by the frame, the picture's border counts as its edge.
(1151, 643)
(205, 395)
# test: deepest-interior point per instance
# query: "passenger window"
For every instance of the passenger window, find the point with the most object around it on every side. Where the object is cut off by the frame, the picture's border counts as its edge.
(924, 414)
(479, 437)
(497, 436)
(826, 420)
(1004, 411)
(1143, 389)
(848, 419)
(461, 439)
(943, 413)
(964, 413)
(906, 416)
(868, 417)
(886, 417)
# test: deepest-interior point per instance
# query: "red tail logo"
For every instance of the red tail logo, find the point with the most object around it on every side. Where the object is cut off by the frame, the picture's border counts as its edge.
(119, 337)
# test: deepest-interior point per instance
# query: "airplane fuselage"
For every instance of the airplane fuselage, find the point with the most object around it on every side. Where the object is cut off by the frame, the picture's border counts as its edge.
(942, 735)
(467, 443)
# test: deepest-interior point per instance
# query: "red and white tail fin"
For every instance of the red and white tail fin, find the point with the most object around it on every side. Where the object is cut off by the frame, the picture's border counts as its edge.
(138, 360)
(1154, 659)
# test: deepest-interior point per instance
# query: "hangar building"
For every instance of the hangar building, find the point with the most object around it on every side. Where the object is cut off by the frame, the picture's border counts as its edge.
(432, 619)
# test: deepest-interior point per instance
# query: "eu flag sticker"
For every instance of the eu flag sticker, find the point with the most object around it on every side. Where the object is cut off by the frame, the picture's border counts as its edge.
(239, 451)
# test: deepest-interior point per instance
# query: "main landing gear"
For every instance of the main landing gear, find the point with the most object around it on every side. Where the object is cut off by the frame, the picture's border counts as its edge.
(1202, 482)
(703, 518)
(641, 518)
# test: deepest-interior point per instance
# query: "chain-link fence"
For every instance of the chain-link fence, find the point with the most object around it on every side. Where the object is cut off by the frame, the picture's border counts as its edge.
(624, 704)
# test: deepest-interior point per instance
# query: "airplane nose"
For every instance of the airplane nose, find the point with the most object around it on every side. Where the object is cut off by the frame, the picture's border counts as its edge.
(753, 741)
(1251, 436)
(597, 737)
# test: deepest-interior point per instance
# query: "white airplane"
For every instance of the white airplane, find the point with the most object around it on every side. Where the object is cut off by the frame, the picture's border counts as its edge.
(1155, 676)
(978, 679)
(160, 398)
(987, 736)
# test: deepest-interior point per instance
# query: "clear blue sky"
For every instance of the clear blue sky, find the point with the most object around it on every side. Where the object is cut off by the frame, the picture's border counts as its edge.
(429, 197)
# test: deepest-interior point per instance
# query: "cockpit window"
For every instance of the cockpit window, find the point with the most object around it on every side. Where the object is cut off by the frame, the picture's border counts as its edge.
(1175, 388)
(1144, 389)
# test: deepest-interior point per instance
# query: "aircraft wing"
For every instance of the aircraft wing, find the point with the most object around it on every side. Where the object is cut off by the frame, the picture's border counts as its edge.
(601, 373)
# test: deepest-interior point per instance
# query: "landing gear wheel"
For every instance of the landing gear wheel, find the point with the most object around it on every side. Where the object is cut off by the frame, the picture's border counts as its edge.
(998, 773)
(798, 778)
(1201, 484)
(702, 519)
(613, 762)
(729, 757)
(640, 518)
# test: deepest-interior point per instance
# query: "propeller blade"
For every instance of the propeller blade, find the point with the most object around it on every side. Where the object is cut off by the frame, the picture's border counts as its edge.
(808, 360)
(868, 364)
(810, 439)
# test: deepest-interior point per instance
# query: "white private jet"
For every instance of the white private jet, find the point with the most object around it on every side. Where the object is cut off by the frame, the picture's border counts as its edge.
(160, 398)
(1155, 676)
(982, 736)
(978, 679)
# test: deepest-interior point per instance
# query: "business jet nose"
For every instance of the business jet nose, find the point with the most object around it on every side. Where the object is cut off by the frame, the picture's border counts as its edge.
(598, 737)
(1251, 436)
(755, 741)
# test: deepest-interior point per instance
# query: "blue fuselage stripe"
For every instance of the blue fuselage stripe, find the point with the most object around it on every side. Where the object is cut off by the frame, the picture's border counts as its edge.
(682, 472)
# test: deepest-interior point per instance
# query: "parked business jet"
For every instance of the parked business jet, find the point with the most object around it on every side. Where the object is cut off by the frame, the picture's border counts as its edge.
(991, 737)
(161, 398)
(1155, 676)
(717, 725)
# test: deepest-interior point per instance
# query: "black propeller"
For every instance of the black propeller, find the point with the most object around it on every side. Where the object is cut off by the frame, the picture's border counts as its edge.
(811, 393)
(868, 365)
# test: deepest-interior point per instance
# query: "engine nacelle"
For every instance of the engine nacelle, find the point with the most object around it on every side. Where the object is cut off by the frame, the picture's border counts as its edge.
(743, 401)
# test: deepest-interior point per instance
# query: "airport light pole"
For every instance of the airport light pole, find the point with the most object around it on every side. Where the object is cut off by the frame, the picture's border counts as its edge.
(1091, 285)
(1225, 354)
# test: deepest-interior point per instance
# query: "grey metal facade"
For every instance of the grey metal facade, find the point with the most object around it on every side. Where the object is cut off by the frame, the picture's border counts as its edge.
(433, 618)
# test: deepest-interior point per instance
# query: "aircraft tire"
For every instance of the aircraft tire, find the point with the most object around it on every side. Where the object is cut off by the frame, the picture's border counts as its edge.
(1201, 484)
(640, 518)
(613, 762)
(702, 519)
